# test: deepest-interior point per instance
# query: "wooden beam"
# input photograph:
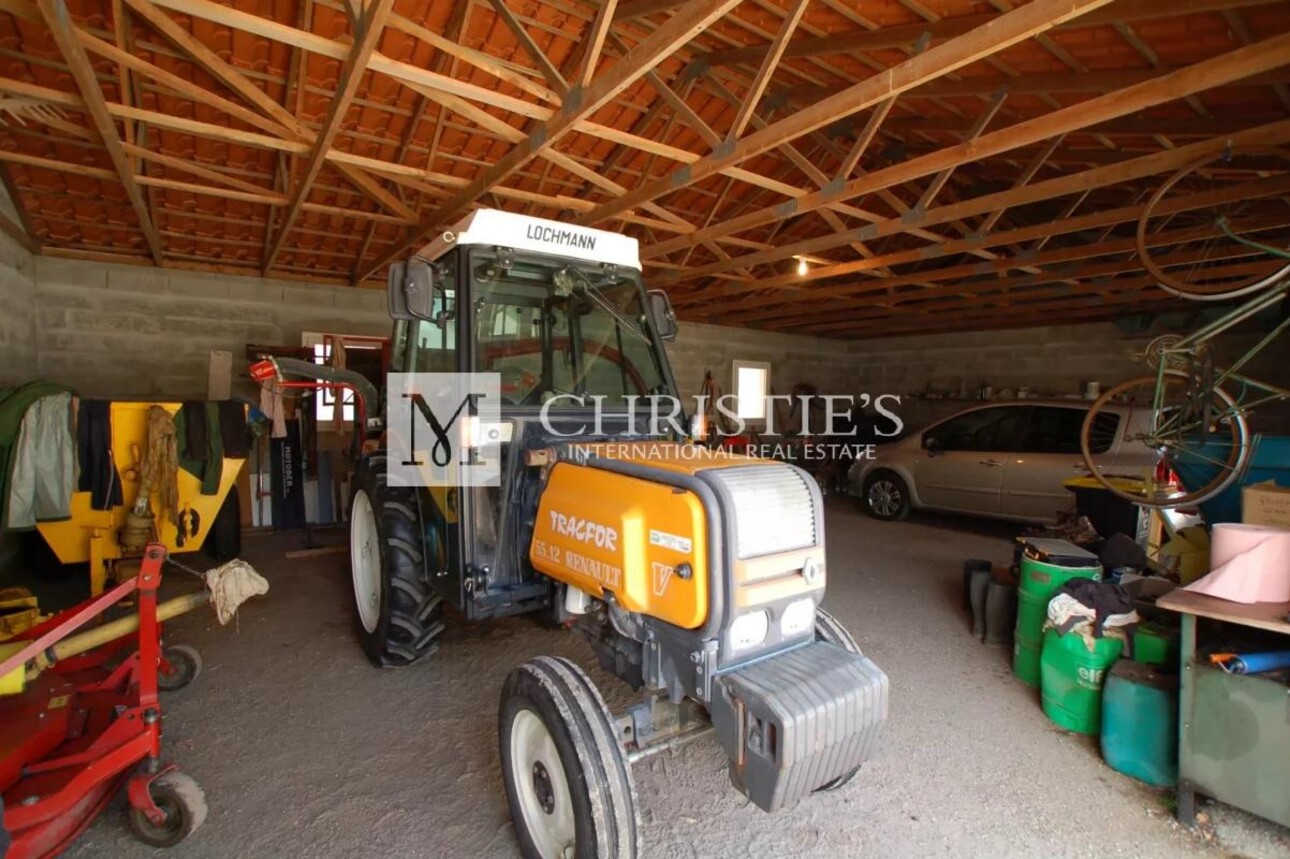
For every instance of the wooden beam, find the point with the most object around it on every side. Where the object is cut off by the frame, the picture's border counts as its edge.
(24, 219)
(594, 40)
(1101, 292)
(978, 127)
(633, 9)
(987, 224)
(480, 60)
(19, 235)
(366, 37)
(1173, 126)
(539, 57)
(1270, 53)
(1037, 84)
(905, 36)
(1008, 29)
(222, 71)
(182, 86)
(1078, 183)
(768, 65)
(59, 21)
(406, 73)
(658, 46)
(1067, 265)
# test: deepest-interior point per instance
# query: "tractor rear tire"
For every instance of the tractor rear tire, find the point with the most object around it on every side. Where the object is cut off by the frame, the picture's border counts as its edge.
(568, 781)
(396, 614)
(828, 628)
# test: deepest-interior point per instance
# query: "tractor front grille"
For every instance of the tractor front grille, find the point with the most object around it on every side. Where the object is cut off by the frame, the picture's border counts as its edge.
(774, 510)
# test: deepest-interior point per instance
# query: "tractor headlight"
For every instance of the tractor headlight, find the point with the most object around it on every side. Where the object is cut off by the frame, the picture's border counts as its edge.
(797, 618)
(749, 630)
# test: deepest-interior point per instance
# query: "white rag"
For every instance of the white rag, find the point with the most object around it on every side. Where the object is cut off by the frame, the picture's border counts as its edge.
(231, 585)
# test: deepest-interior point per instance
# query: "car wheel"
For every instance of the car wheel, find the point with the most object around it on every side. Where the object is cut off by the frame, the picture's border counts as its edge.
(886, 496)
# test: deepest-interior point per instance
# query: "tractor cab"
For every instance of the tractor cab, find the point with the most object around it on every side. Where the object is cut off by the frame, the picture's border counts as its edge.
(560, 314)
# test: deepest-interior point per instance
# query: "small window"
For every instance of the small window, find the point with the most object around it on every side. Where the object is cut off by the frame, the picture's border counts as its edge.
(1053, 429)
(1102, 435)
(325, 401)
(752, 386)
(993, 429)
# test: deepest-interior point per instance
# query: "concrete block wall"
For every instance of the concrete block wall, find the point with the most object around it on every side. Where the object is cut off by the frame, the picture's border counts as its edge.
(793, 358)
(135, 332)
(1051, 361)
(17, 313)
(1056, 360)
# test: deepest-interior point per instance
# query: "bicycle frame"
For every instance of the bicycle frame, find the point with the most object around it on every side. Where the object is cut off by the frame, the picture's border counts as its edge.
(1186, 347)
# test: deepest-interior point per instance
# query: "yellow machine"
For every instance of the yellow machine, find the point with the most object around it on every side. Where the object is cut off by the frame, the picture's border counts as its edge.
(94, 535)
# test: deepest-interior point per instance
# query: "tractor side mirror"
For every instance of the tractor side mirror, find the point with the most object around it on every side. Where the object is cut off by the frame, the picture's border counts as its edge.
(410, 287)
(661, 312)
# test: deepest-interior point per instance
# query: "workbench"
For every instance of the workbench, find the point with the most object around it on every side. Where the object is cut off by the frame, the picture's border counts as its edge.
(1233, 729)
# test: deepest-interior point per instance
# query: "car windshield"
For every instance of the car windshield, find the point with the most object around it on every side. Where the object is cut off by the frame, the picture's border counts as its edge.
(552, 327)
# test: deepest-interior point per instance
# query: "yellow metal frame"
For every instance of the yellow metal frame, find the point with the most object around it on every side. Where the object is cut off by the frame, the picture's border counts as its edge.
(92, 535)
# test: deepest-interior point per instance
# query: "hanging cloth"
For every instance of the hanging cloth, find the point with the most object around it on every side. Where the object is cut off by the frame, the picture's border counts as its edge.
(161, 464)
(98, 472)
(43, 465)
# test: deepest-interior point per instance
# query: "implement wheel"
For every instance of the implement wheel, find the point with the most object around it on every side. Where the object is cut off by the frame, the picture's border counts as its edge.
(181, 800)
(397, 616)
(829, 628)
(567, 779)
(182, 665)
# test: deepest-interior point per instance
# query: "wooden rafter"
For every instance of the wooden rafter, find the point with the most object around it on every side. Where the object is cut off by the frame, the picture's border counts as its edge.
(948, 28)
(888, 200)
(59, 21)
(594, 41)
(1008, 29)
(1099, 177)
(678, 30)
(367, 35)
(768, 65)
(539, 57)
(1269, 53)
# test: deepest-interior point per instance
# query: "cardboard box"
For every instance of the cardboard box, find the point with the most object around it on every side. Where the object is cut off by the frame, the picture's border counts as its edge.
(1266, 504)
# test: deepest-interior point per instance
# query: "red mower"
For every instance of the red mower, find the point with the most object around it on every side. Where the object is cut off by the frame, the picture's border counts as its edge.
(80, 717)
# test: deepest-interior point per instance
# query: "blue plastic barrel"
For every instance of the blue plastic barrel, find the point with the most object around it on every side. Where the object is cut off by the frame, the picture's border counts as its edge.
(1140, 723)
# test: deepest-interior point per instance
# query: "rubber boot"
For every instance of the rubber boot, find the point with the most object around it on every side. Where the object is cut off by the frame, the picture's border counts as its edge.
(970, 566)
(1000, 612)
(980, 586)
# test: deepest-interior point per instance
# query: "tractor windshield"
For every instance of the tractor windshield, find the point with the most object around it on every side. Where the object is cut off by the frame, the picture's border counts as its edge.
(552, 327)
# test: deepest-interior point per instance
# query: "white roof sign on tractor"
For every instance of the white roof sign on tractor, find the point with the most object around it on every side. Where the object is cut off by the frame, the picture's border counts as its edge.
(537, 235)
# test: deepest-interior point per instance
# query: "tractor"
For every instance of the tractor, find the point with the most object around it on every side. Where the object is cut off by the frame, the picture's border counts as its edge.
(696, 579)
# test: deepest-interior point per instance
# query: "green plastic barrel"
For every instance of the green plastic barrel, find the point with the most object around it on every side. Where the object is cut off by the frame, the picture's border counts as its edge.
(1071, 678)
(1046, 565)
(1155, 644)
(1140, 723)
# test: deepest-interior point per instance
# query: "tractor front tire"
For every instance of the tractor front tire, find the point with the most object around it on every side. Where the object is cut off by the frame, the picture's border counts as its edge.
(397, 616)
(568, 781)
(828, 628)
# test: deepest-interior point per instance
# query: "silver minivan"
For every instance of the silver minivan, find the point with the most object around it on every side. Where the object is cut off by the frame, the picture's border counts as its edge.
(1002, 460)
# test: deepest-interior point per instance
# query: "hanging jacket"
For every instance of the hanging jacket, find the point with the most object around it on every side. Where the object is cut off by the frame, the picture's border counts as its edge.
(42, 471)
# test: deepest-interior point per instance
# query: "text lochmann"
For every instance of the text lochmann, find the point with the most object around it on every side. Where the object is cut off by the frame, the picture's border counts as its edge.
(568, 238)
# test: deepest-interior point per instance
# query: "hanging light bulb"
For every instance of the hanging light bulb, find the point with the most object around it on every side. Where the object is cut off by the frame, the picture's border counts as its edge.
(802, 267)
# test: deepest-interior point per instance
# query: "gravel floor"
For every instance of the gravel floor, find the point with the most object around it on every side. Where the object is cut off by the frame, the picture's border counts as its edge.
(305, 750)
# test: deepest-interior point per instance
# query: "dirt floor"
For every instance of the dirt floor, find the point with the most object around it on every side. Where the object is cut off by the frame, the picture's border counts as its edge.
(305, 750)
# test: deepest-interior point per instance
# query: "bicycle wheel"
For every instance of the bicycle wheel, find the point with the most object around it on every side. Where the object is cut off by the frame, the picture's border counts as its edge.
(1193, 231)
(1200, 436)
